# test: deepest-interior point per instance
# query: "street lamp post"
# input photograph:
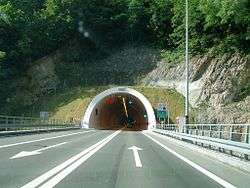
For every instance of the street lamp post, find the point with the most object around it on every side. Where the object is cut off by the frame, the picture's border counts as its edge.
(187, 69)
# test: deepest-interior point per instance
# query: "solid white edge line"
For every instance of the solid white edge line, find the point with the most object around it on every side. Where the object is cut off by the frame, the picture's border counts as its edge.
(42, 178)
(42, 139)
(60, 176)
(194, 165)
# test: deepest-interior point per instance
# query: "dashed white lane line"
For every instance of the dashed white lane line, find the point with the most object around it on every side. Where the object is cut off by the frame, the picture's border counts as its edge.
(194, 165)
(61, 171)
(42, 139)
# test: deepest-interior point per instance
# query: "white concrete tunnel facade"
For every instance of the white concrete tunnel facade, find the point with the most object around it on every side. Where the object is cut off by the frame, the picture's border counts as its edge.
(85, 123)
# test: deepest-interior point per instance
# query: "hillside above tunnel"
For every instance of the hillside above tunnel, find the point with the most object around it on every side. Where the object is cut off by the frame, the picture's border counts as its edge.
(65, 88)
(50, 48)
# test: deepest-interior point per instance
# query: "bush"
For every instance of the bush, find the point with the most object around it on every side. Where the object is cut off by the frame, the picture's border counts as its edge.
(172, 57)
(243, 93)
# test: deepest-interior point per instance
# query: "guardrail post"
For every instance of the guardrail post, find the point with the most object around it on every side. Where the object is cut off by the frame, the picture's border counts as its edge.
(220, 136)
(6, 123)
(231, 132)
(196, 133)
(210, 131)
(231, 136)
(220, 133)
(247, 135)
(246, 140)
(210, 134)
(202, 133)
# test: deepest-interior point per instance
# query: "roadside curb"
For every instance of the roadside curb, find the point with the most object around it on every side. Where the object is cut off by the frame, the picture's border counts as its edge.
(42, 130)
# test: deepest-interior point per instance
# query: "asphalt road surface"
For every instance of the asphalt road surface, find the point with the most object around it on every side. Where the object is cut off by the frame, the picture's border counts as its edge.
(107, 159)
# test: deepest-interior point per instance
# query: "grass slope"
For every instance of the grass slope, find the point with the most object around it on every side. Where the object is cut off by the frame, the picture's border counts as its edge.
(72, 104)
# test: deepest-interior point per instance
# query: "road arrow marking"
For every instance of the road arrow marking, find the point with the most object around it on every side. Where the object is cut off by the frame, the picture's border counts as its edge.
(58, 173)
(136, 156)
(35, 152)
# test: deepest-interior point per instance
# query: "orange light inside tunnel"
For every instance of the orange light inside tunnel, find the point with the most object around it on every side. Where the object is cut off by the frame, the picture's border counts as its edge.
(112, 114)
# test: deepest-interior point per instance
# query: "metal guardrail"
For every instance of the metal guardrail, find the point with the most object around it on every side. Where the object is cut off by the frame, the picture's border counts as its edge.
(7, 122)
(231, 137)
(234, 132)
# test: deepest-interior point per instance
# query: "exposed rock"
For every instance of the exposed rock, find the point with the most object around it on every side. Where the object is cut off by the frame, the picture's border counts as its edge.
(237, 112)
(125, 65)
(42, 75)
(214, 81)
(223, 79)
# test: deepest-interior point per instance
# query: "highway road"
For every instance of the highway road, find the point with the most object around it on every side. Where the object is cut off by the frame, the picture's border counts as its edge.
(107, 159)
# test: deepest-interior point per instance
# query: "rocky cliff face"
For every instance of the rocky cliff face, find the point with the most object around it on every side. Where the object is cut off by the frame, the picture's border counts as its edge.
(215, 84)
(38, 81)
(42, 75)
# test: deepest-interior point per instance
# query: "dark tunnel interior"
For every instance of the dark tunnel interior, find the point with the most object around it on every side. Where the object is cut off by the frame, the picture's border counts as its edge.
(119, 111)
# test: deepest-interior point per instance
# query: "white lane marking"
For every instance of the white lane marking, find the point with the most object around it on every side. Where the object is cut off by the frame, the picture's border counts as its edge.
(42, 139)
(136, 156)
(194, 165)
(35, 152)
(42, 178)
(60, 176)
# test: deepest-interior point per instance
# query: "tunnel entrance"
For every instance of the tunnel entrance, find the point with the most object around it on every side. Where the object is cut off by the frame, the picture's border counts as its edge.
(119, 111)
(119, 108)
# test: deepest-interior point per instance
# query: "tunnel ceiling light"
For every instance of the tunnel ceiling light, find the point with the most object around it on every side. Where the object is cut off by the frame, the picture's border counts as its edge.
(125, 107)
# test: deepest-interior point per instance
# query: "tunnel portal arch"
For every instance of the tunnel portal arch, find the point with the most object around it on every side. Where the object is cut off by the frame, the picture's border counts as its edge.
(151, 121)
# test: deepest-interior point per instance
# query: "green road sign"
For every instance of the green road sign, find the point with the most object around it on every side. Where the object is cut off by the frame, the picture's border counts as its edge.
(161, 114)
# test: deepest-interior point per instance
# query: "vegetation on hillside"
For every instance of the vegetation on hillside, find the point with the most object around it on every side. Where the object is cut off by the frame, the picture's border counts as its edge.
(32, 29)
